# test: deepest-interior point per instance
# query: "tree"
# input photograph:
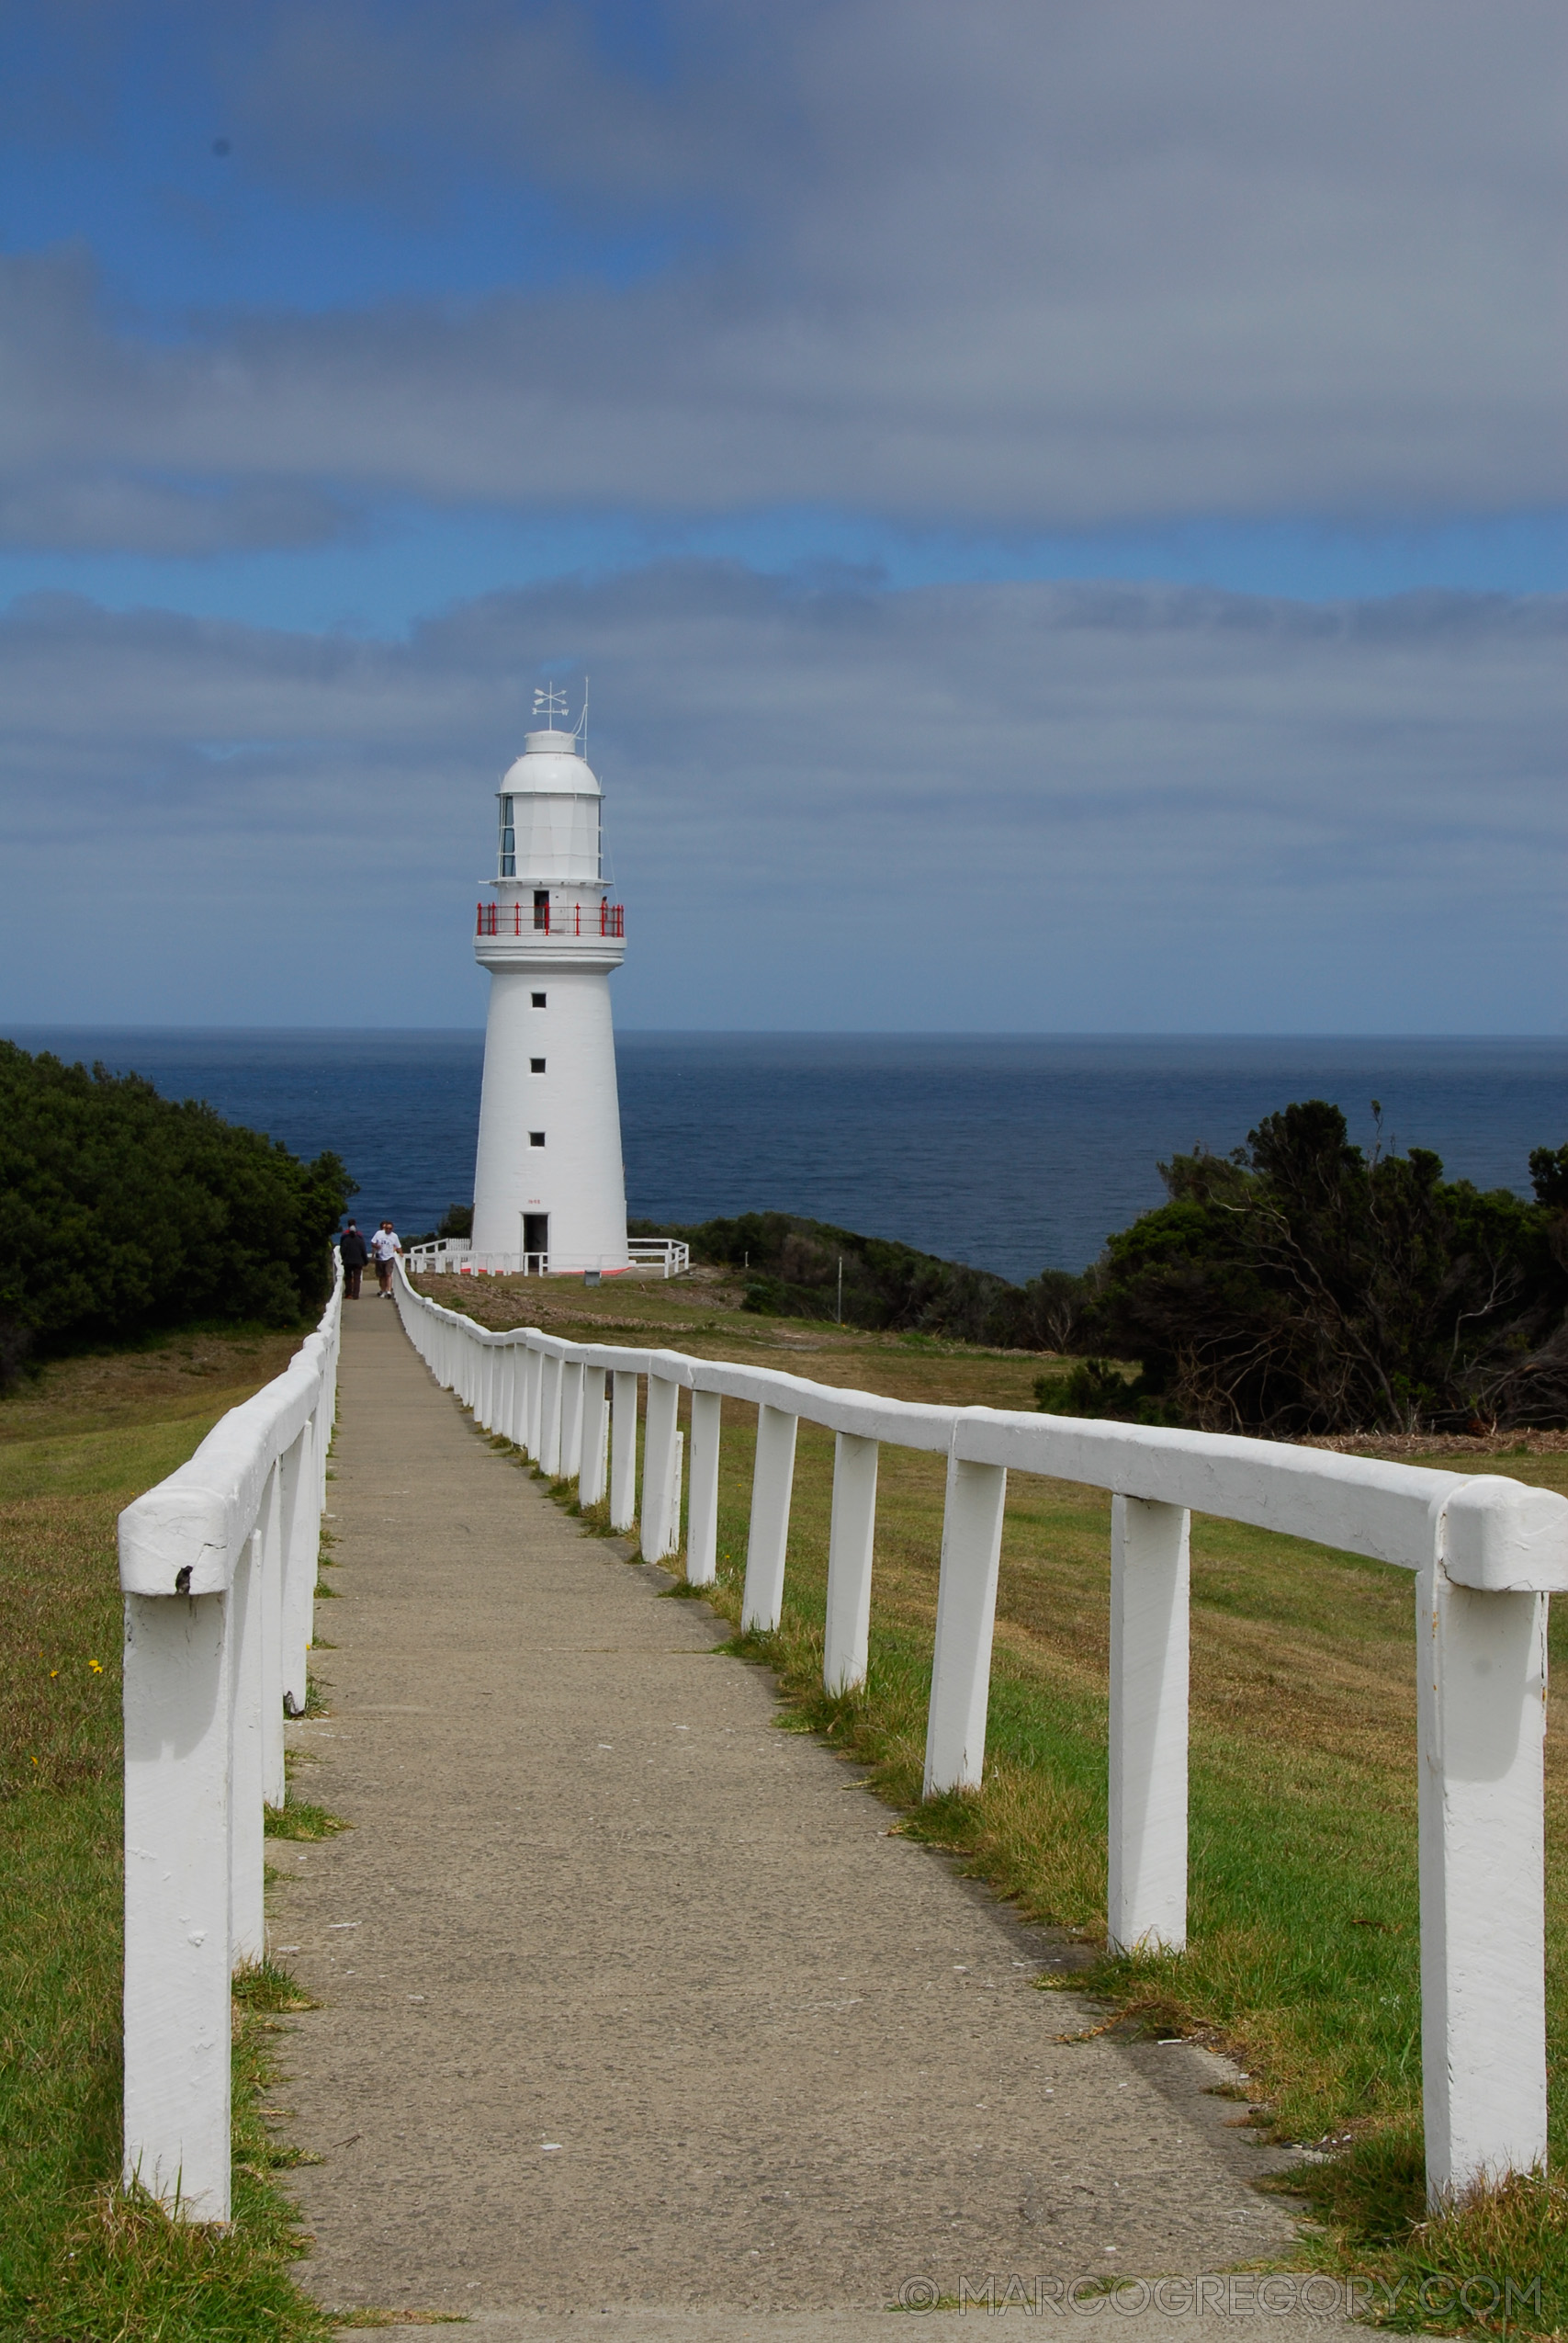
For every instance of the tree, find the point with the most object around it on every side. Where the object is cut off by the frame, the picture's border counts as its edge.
(122, 1211)
(1299, 1285)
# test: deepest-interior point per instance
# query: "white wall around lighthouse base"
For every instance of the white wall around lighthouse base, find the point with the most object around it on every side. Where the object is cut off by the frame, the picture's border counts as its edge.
(448, 1256)
(576, 1176)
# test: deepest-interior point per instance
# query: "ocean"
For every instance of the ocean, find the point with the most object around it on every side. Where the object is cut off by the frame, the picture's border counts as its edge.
(1012, 1152)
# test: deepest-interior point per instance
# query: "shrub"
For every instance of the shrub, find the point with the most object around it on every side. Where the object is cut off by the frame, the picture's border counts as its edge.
(123, 1213)
(1098, 1388)
(1299, 1285)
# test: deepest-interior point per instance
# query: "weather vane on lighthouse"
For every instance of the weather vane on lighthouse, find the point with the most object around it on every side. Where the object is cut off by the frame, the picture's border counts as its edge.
(549, 1192)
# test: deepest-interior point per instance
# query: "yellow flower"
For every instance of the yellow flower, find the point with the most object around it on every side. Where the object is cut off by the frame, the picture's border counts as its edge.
(97, 1666)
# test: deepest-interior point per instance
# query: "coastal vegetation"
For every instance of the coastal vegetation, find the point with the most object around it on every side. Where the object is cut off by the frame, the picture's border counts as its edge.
(788, 1266)
(1295, 1287)
(124, 1215)
(1300, 1286)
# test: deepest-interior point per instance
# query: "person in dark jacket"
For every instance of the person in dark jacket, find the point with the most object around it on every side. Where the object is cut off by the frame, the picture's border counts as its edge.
(356, 1254)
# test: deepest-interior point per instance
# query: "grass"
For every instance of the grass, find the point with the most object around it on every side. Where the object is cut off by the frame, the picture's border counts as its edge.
(80, 2256)
(1304, 1935)
(1305, 1943)
(297, 1818)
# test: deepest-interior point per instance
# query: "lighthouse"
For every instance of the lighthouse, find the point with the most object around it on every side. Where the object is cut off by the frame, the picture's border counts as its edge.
(550, 1191)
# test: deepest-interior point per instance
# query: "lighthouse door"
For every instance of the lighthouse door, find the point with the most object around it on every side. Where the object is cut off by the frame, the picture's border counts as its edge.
(536, 1243)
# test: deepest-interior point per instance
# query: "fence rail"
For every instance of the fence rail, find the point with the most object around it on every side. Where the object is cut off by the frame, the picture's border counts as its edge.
(1485, 1552)
(454, 1254)
(218, 1567)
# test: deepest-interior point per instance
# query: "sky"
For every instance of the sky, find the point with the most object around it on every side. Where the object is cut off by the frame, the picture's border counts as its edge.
(1065, 509)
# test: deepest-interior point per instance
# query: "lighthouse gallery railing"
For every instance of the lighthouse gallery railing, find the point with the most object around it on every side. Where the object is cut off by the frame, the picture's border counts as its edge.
(1486, 1552)
(562, 922)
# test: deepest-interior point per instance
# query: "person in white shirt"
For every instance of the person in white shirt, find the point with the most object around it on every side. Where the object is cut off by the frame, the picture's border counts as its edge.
(385, 1247)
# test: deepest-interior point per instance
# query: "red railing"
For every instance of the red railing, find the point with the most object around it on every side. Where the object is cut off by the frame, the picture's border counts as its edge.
(562, 919)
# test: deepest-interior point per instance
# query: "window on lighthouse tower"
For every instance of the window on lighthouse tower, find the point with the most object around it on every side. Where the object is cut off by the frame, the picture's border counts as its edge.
(508, 865)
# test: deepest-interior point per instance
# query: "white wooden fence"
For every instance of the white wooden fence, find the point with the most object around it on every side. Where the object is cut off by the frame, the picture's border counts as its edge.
(1486, 1552)
(669, 1256)
(218, 1565)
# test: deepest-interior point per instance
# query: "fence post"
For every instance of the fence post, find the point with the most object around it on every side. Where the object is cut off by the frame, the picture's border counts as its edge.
(301, 1545)
(325, 1425)
(532, 1381)
(659, 1466)
(772, 1482)
(677, 1479)
(517, 1414)
(850, 1541)
(247, 1757)
(966, 1617)
(701, 1522)
(622, 1451)
(177, 2023)
(270, 1556)
(570, 1417)
(549, 1416)
(591, 1453)
(1146, 1888)
(1481, 1683)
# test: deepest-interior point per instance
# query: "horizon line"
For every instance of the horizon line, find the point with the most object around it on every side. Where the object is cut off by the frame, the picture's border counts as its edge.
(837, 1033)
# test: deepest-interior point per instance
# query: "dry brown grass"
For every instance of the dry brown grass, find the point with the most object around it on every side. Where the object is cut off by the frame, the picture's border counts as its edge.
(179, 1376)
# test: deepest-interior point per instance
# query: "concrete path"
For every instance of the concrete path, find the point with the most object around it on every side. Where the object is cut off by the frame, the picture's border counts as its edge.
(635, 2020)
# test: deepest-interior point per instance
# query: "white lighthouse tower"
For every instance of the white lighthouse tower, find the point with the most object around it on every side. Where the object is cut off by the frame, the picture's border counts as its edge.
(550, 1191)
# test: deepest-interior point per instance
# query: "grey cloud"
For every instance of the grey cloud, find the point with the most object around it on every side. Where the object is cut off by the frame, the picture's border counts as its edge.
(108, 512)
(1008, 806)
(1008, 266)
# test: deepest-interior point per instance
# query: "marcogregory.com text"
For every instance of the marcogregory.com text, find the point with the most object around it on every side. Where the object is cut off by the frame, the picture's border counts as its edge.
(1246, 2295)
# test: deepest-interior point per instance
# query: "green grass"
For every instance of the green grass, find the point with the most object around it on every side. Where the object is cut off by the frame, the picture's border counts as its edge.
(297, 1818)
(78, 2256)
(1303, 1956)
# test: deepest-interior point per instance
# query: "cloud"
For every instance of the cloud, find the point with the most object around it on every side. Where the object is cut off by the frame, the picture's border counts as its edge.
(88, 512)
(1017, 806)
(1002, 267)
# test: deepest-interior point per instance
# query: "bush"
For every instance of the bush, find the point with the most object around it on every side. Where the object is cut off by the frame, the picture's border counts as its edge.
(1098, 1388)
(790, 1267)
(123, 1213)
(1299, 1285)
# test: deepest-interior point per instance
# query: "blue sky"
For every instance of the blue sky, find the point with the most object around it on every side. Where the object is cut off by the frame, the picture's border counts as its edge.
(828, 379)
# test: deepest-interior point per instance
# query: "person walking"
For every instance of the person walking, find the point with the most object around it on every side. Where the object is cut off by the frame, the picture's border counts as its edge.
(386, 1246)
(355, 1253)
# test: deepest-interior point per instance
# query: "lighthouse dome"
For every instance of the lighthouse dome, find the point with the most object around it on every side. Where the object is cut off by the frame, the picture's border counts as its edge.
(550, 814)
(550, 764)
